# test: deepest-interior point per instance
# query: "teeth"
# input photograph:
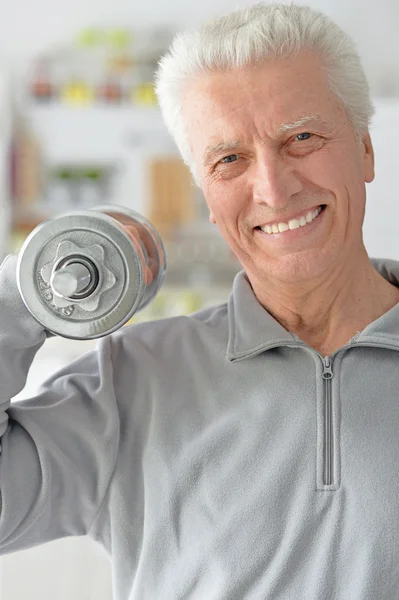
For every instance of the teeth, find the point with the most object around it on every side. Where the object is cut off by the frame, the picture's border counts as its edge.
(293, 224)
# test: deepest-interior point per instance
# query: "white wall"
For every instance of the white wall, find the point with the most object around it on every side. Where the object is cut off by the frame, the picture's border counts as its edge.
(381, 223)
(5, 131)
(27, 26)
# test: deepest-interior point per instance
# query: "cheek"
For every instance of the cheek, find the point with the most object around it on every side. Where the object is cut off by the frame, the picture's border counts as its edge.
(227, 213)
(226, 210)
(332, 173)
(321, 170)
(339, 176)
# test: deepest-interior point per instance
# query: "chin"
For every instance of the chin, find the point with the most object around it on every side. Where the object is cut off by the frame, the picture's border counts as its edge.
(295, 268)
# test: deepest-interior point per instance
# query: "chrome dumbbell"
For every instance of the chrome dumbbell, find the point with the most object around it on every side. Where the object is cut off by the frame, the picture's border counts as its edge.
(84, 274)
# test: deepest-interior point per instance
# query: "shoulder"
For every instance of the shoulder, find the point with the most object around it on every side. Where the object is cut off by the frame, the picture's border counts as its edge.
(206, 327)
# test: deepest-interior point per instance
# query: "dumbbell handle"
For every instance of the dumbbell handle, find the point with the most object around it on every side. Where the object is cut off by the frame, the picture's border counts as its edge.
(70, 280)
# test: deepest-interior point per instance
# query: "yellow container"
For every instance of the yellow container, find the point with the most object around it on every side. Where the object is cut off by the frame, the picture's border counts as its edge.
(144, 94)
(77, 93)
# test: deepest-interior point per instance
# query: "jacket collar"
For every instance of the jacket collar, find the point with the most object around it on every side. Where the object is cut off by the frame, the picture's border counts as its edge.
(252, 329)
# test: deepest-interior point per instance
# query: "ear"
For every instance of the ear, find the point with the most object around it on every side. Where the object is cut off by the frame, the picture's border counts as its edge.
(368, 159)
(212, 218)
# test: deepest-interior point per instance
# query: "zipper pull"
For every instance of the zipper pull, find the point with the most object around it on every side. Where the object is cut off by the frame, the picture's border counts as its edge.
(327, 370)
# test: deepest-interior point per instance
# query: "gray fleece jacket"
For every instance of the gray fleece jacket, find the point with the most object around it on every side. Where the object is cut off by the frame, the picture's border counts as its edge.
(214, 457)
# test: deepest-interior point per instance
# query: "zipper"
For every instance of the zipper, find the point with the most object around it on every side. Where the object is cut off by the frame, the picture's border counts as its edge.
(328, 425)
(327, 374)
(327, 383)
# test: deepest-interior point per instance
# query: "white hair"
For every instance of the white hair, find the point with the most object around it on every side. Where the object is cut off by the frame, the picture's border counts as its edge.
(254, 34)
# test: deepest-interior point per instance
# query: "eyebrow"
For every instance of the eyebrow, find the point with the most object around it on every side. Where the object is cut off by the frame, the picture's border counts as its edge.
(311, 117)
(211, 151)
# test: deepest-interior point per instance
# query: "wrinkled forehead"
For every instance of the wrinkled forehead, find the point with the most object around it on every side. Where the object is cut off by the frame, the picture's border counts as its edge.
(271, 99)
(270, 78)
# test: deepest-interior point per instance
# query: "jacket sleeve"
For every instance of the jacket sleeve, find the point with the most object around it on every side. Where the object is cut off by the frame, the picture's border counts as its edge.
(59, 448)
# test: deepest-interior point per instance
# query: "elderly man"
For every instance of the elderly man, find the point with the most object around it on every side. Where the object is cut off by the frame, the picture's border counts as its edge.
(249, 451)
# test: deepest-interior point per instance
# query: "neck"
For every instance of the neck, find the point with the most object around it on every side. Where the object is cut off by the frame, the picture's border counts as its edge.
(327, 313)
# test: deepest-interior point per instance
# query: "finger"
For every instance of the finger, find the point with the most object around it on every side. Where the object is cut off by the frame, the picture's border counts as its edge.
(135, 237)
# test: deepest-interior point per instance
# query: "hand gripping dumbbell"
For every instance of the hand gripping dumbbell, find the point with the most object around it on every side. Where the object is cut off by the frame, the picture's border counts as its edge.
(83, 274)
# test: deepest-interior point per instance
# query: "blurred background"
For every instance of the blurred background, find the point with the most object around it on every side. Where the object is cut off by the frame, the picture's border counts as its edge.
(79, 126)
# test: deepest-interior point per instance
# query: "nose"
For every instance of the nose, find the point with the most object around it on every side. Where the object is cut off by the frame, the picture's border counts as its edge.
(275, 180)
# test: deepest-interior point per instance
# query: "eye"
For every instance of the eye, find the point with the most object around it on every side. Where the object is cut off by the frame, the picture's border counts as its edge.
(227, 159)
(305, 133)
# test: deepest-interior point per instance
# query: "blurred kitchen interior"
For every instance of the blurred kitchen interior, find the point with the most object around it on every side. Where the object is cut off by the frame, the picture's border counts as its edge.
(79, 127)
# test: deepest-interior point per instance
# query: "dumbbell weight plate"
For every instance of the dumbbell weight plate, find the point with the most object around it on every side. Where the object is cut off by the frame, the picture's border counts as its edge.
(86, 231)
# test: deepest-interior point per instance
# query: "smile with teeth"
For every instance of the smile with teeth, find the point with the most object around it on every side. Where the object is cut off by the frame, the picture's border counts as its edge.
(293, 224)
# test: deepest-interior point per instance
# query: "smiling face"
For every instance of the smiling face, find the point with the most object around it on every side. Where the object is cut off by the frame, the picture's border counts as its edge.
(255, 168)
